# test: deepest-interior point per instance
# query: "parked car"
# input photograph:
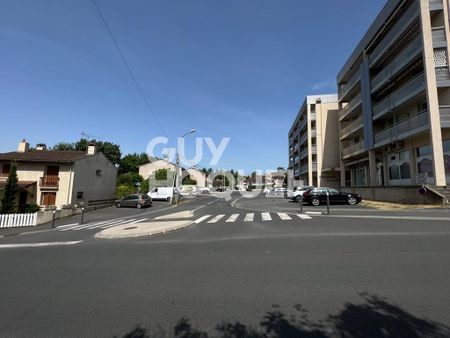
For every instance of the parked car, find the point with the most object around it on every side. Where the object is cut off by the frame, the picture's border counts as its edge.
(297, 194)
(318, 196)
(135, 201)
(162, 193)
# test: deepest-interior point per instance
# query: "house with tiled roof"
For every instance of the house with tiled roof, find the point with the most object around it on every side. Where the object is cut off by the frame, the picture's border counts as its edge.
(59, 178)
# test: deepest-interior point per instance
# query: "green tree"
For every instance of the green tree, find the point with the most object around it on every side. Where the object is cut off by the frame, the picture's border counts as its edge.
(110, 150)
(11, 189)
(63, 146)
(129, 179)
(161, 174)
(131, 162)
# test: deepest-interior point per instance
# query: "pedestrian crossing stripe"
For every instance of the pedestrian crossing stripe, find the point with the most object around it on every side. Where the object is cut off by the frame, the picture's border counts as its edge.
(249, 217)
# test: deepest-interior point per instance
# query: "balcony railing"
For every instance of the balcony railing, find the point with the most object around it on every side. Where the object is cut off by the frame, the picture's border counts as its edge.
(345, 88)
(402, 129)
(445, 116)
(436, 5)
(395, 33)
(49, 181)
(401, 95)
(409, 54)
(353, 149)
(354, 103)
(303, 169)
(438, 34)
(303, 138)
(352, 126)
(442, 74)
(304, 153)
(314, 166)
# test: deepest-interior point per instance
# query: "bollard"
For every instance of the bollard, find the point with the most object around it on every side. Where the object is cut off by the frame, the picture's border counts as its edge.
(301, 204)
(82, 215)
(53, 219)
(328, 203)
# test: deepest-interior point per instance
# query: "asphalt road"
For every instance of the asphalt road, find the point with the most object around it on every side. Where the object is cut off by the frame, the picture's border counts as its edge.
(273, 273)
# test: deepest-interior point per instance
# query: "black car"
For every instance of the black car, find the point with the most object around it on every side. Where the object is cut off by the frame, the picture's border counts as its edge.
(318, 196)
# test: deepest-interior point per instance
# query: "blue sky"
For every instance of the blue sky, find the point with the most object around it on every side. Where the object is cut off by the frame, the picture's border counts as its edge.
(234, 68)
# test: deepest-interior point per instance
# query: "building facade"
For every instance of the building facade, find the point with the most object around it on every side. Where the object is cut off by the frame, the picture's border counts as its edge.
(314, 143)
(59, 178)
(394, 99)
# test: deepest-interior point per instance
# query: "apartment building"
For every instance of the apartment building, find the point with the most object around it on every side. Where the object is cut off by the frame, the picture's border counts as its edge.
(59, 178)
(394, 99)
(314, 143)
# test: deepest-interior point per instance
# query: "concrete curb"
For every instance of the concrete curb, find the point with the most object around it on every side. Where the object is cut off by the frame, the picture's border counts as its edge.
(141, 229)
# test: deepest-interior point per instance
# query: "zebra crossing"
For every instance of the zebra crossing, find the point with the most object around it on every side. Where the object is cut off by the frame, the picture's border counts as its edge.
(98, 225)
(209, 219)
(250, 217)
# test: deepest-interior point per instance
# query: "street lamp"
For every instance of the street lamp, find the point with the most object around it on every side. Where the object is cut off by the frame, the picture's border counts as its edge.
(177, 167)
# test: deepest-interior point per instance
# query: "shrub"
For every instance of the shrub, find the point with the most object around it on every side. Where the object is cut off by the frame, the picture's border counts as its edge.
(30, 208)
(124, 190)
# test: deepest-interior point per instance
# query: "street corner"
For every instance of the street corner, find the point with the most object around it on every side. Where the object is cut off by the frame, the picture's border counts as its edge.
(142, 229)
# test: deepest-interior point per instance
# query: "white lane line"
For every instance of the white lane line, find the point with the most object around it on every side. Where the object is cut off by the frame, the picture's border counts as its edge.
(139, 220)
(216, 219)
(36, 245)
(249, 217)
(266, 216)
(109, 225)
(314, 212)
(232, 218)
(303, 216)
(284, 216)
(83, 225)
(201, 219)
(66, 225)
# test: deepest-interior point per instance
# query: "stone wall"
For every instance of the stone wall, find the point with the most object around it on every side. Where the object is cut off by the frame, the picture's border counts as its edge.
(406, 195)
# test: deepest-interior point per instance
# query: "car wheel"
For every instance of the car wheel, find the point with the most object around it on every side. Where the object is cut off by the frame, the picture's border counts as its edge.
(118, 205)
(351, 200)
(139, 205)
(298, 199)
(315, 201)
(168, 199)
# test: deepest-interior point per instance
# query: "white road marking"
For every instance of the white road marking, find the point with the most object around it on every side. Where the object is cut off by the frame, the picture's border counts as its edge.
(314, 212)
(95, 226)
(303, 216)
(266, 216)
(232, 218)
(139, 220)
(110, 225)
(284, 216)
(216, 219)
(83, 225)
(411, 218)
(36, 245)
(66, 225)
(249, 217)
(201, 219)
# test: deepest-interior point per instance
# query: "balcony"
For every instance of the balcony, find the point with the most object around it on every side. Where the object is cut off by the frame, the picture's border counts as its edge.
(347, 87)
(403, 129)
(439, 40)
(445, 116)
(313, 116)
(436, 5)
(49, 182)
(303, 138)
(352, 127)
(408, 55)
(352, 150)
(314, 166)
(352, 105)
(395, 33)
(304, 153)
(442, 74)
(400, 96)
(3, 177)
(303, 169)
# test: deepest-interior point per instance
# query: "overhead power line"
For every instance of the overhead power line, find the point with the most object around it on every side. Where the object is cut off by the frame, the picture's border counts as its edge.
(127, 65)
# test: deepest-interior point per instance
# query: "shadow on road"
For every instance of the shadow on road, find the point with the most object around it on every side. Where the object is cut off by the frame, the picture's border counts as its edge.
(374, 317)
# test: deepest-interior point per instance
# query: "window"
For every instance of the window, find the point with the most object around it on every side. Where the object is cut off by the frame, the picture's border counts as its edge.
(440, 58)
(48, 198)
(80, 195)
(405, 172)
(394, 172)
(6, 168)
(399, 167)
(424, 151)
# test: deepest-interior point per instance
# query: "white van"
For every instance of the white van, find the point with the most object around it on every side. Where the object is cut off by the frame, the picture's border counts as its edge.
(161, 193)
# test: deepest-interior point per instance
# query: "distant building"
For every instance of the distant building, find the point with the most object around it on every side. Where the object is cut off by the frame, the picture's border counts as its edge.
(148, 171)
(314, 142)
(59, 178)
